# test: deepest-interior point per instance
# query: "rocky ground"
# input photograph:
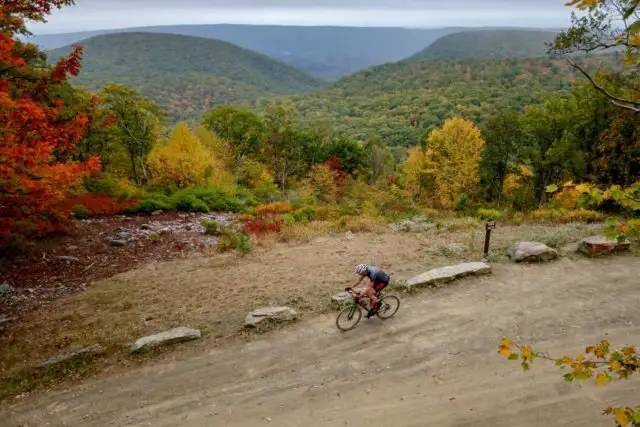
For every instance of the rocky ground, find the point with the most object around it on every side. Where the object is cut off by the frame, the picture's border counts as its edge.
(96, 249)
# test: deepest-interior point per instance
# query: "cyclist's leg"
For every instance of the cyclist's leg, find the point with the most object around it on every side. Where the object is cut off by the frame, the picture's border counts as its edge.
(371, 293)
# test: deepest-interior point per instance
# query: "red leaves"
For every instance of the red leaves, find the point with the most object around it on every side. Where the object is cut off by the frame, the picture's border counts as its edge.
(35, 140)
(98, 205)
(260, 226)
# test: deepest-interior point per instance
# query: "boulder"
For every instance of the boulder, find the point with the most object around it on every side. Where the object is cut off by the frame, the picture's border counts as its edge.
(448, 274)
(532, 252)
(600, 245)
(73, 354)
(278, 314)
(172, 336)
(6, 290)
(118, 242)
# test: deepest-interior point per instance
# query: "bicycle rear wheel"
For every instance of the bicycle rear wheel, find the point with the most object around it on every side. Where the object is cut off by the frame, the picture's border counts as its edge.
(348, 318)
(389, 306)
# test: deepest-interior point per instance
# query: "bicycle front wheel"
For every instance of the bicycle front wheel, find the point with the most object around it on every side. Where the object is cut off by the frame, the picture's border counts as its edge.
(348, 318)
(389, 306)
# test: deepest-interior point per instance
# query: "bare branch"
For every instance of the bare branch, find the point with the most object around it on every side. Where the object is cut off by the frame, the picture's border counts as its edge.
(620, 102)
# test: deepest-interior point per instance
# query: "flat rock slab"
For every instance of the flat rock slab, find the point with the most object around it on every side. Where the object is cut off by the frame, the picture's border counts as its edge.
(69, 355)
(172, 336)
(344, 297)
(600, 245)
(532, 252)
(448, 274)
(278, 314)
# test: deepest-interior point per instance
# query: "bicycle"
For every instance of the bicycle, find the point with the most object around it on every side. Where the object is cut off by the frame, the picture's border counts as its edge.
(351, 315)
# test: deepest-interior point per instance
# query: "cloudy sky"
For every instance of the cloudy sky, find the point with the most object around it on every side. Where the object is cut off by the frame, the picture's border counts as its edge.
(107, 14)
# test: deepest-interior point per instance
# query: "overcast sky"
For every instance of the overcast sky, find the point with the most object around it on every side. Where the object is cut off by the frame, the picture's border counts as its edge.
(107, 14)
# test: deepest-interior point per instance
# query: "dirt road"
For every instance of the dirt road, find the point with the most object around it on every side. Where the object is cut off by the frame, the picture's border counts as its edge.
(434, 364)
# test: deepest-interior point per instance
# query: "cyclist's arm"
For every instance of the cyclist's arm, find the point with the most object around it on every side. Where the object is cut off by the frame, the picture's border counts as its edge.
(359, 281)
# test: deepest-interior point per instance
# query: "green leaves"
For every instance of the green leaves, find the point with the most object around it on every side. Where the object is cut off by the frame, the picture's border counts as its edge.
(551, 188)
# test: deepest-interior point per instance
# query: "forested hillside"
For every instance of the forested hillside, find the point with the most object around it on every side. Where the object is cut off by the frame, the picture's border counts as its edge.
(185, 75)
(327, 52)
(488, 44)
(400, 102)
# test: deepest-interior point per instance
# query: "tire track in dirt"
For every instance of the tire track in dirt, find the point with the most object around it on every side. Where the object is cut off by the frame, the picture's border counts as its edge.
(433, 364)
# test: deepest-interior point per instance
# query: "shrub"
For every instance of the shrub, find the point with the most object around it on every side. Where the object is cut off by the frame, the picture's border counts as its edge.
(305, 215)
(517, 218)
(489, 214)
(97, 205)
(211, 227)
(305, 232)
(244, 245)
(260, 226)
(148, 206)
(458, 223)
(185, 202)
(462, 204)
(80, 211)
(215, 199)
(276, 208)
(562, 216)
(362, 224)
(244, 217)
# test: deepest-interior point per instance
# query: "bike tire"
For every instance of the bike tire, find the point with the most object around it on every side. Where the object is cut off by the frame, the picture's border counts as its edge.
(389, 306)
(351, 314)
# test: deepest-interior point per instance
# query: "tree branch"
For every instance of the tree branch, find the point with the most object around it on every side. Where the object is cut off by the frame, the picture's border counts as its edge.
(620, 102)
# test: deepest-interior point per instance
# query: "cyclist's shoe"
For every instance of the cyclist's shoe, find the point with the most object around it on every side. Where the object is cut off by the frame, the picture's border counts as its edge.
(372, 312)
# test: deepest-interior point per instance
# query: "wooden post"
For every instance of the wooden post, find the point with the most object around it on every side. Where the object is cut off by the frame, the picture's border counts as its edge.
(491, 225)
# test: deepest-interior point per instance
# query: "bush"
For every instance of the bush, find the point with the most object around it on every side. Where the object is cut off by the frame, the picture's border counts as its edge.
(489, 214)
(214, 198)
(462, 204)
(80, 211)
(244, 245)
(517, 218)
(260, 226)
(231, 240)
(109, 185)
(211, 227)
(562, 216)
(455, 224)
(361, 224)
(148, 206)
(185, 202)
(305, 215)
(97, 205)
(276, 208)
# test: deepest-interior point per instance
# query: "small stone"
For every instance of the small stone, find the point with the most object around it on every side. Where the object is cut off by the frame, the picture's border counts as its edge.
(172, 336)
(278, 314)
(600, 245)
(6, 290)
(72, 248)
(156, 213)
(532, 252)
(67, 355)
(68, 259)
(123, 235)
(119, 243)
(349, 235)
(146, 227)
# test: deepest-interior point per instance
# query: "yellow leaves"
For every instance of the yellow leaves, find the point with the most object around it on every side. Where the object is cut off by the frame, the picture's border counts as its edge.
(183, 160)
(584, 188)
(505, 347)
(603, 379)
(451, 162)
(615, 366)
(583, 4)
(621, 417)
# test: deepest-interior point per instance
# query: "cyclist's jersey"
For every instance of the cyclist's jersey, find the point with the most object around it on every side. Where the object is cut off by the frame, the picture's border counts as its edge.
(376, 275)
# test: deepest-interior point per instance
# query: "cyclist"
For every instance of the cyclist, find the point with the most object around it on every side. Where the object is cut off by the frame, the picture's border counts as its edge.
(378, 281)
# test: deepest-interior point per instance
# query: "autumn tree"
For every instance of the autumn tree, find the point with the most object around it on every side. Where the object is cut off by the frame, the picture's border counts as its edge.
(138, 125)
(37, 137)
(606, 25)
(452, 160)
(183, 160)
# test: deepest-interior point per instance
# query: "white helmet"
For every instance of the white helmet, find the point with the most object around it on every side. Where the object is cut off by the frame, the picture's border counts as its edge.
(361, 269)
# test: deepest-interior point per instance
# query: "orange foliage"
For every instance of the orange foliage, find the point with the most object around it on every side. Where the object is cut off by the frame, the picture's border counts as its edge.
(274, 208)
(36, 142)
